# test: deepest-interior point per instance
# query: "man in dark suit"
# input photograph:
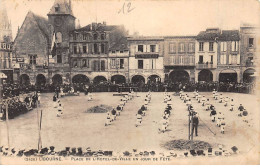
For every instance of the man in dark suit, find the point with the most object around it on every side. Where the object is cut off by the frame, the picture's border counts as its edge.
(195, 123)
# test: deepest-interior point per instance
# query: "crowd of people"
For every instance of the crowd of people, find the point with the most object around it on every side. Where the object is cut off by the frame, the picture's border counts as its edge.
(18, 105)
(11, 90)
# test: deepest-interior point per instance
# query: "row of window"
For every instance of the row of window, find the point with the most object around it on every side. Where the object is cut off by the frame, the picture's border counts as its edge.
(89, 36)
(223, 46)
(181, 47)
(201, 46)
(152, 64)
(183, 60)
(5, 63)
(201, 60)
(95, 48)
(232, 59)
(117, 63)
(147, 48)
(5, 46)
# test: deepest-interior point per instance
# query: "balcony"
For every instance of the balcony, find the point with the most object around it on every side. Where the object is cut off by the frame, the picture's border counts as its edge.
(146, 55)
(205, 66)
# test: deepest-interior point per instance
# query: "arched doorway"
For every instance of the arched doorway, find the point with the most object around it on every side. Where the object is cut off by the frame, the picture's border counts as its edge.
(40, 80)
(57, 79)
(153, 79)
(118, 79)
(228, 75)
(99, 79)
(80, 78)
(179, 76)
(248, 75)
(24, 79)
(138, 79)
(205, 75)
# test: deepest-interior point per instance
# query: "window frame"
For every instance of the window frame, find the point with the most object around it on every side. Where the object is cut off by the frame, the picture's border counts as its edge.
(138, 65)
(201, 46)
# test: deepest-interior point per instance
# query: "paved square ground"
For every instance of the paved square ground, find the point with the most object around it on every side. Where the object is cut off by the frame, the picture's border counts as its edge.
(76, 128)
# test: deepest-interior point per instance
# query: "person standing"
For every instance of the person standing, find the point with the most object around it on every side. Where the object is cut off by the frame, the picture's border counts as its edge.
(195, 123)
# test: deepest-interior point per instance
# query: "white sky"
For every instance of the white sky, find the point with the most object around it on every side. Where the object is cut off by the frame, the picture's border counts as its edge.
(176, 17)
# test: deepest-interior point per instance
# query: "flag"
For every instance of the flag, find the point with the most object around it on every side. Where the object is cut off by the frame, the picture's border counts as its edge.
(53, 45)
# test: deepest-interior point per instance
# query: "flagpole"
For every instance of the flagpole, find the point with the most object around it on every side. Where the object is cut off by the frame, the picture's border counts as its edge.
(7, 125)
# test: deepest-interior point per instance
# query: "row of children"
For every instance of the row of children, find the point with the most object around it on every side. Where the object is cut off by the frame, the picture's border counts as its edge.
(142, 111)
(242, 112)
(111, 116)
(166, 114)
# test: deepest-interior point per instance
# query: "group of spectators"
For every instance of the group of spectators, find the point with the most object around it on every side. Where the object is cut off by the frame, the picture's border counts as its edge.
(12, 90)
(18, 105)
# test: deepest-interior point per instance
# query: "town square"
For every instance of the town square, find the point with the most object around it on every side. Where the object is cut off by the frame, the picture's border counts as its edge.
(103, 90)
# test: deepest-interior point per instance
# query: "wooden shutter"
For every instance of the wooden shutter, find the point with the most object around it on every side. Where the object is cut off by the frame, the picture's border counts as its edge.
(225, 59)
(144, 48)
(233, 45)
(148, 48)
(156, 48)
(238, 59)
(229, 59)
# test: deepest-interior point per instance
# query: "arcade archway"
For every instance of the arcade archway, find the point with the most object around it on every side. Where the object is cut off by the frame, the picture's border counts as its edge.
(24, 79)
(154, 79)
(40, 80)
(138, 79)
(248, 75)
(57, 79)
(179, 76)
(205, 75)
(99, 79)
(118, 79)
(228, 75)
(80, 78)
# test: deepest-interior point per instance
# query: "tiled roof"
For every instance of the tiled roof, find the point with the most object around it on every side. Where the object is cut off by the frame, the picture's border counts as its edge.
(229, 35)
(208, 36)
(97, 27)
(121, 44)
(43, 24)
(135, 38)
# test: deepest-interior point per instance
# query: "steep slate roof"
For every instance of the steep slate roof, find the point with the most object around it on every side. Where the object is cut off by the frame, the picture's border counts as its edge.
(41, 22)
(43, 25)
(64, 7)
(229, 35)
(121, 44)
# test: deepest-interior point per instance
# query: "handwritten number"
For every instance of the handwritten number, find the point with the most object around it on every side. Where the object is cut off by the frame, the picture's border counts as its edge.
(129, 9)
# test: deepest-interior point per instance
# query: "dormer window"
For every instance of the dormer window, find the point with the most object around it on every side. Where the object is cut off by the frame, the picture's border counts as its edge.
(57, 9)
(95, 36)
(103, 37)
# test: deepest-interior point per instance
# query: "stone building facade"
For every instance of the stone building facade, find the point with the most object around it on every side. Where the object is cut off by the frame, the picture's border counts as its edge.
(93, 48)
(179, 58)
(249, 59)
(146, 59)
(52, 50)
(206, 55)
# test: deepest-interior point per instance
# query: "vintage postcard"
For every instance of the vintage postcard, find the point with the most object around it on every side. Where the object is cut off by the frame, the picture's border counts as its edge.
(129, 82)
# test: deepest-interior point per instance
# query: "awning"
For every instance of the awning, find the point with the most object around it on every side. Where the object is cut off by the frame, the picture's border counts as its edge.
(2, 75)
(254, 74)
(249, 71)
(228, 71)
(146, 55)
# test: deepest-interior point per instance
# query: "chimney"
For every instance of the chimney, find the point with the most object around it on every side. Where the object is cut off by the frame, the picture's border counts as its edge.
(104, 23)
